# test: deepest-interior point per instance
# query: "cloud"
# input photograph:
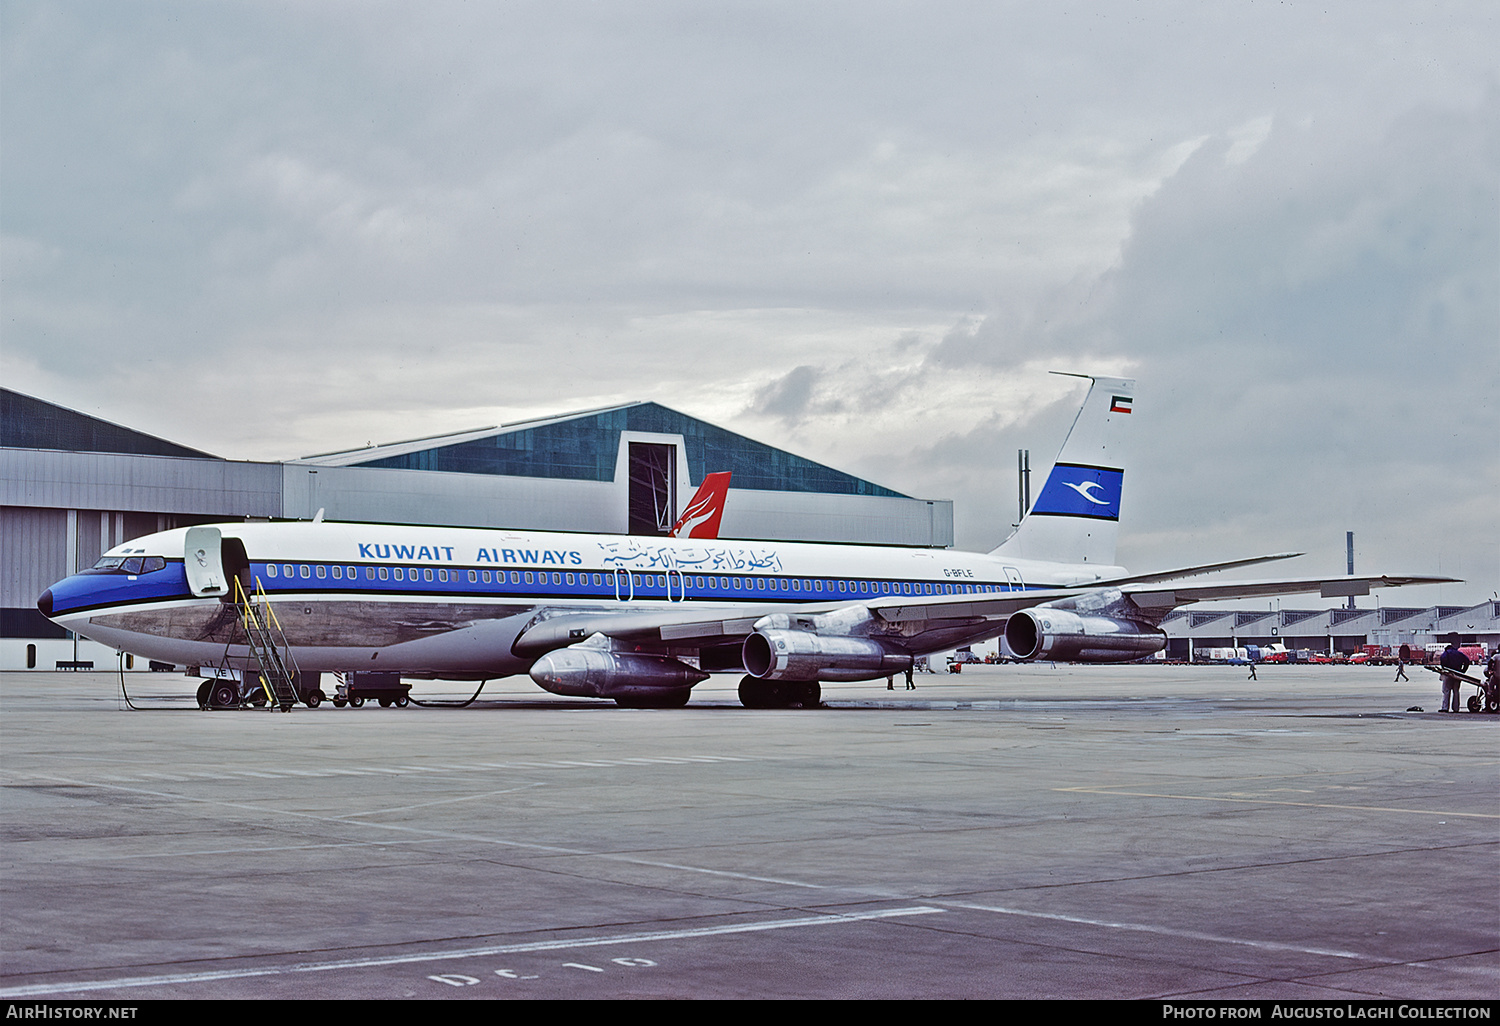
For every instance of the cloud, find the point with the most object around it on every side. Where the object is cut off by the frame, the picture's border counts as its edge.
(789, 396)
(862, 232)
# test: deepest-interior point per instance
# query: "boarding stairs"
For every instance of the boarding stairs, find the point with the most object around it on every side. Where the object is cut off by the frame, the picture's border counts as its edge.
(274, 666)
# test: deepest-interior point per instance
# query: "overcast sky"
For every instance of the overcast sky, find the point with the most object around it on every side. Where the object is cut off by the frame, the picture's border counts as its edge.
(863, 232)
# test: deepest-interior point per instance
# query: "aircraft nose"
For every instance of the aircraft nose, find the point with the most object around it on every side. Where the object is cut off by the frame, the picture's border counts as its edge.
(45, 602)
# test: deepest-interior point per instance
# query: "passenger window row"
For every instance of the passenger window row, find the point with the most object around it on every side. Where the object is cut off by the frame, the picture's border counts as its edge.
(615, 581)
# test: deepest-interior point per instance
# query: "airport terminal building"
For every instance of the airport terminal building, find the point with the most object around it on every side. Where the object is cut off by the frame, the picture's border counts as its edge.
(73, 486)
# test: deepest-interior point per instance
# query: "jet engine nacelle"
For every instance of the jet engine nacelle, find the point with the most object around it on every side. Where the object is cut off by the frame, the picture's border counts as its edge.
(802, 655)
(598, 673)
(1059, 634)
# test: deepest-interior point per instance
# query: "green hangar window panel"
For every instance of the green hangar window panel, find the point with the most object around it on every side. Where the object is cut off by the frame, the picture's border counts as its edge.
(584, 448)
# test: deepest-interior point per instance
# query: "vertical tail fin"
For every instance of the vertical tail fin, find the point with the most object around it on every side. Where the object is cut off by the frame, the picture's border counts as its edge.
(1076, 517)
(701, 517)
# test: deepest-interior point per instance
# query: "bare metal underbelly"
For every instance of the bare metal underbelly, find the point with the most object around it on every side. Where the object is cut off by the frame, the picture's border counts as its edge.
(316, 624)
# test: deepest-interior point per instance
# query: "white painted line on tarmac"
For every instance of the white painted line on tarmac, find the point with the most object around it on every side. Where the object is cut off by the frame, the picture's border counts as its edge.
(180, 776)
(716, 872)
(385, 810)
(211, 975)
(385, 843)
(450, 835)
(1268, 801)
(1193, 935)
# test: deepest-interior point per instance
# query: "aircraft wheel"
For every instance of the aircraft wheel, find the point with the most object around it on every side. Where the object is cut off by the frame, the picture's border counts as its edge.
(753, 693)
(314, 698)
(672, 700)
(223, 696)
(1492, 703)
(385, 703)
(258, 697)
(339, 703)
(1475, 705)
(204, 690)
(355, 703)
(403, 701)
(779, 694)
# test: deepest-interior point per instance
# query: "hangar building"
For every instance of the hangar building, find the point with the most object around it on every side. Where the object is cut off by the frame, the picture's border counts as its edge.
(1331, 632)
(73, 486)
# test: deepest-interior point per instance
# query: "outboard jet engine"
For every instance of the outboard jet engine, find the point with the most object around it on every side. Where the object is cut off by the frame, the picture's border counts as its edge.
(802, 655)
(1048, 633)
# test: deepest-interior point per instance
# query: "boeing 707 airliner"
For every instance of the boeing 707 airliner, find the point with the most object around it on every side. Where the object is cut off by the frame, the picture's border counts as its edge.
(642, 620)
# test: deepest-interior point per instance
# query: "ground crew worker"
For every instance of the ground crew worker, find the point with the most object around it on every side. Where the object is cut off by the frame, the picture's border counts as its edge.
(1452, 659)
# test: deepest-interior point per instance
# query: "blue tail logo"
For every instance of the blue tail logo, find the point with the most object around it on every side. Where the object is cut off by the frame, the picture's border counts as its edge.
(1076, 490)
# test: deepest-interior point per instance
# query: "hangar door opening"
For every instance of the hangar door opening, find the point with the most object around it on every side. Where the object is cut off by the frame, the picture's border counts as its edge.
(653, 488)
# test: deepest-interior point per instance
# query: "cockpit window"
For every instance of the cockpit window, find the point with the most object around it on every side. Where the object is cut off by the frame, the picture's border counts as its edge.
(127, 565)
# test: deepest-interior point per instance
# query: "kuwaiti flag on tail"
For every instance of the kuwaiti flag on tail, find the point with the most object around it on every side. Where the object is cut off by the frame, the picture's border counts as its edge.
(1120, 404)
(1075, 490)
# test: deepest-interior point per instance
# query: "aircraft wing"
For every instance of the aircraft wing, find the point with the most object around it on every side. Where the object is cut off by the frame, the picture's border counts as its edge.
(1147, 596)
(959, 607)
(1143, 594)
(1196, 571)
(689, 627)
(700, 627)
(705, 627)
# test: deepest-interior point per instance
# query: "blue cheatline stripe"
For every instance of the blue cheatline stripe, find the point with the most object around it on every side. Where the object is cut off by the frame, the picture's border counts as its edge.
(363, 581)
(1079, 490)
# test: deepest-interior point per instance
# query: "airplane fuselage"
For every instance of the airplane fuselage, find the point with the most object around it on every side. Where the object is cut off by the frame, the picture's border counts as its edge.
(450, 602)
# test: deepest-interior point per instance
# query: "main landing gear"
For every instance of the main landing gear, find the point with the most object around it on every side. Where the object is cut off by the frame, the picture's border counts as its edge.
(779, 694)
(674, 699)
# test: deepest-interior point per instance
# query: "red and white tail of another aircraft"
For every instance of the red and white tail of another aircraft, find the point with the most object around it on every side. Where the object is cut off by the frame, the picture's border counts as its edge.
(701, 517)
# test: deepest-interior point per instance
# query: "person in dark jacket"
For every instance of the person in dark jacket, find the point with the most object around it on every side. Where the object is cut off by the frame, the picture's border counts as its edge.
(1452, 659)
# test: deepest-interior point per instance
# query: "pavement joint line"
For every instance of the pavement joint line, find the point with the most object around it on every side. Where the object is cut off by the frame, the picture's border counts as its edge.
(182, 776)
(348, 816)
(209, 976)
(717, 872)
(1167, 931)
(253, 851)
(449, 835)
(1268, 801)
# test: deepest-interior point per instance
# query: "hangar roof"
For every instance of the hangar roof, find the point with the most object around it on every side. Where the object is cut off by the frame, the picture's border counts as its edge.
(30, 423)
(584, 446)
